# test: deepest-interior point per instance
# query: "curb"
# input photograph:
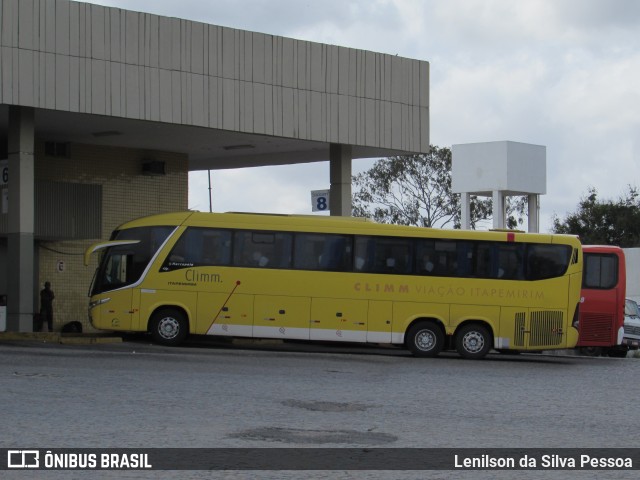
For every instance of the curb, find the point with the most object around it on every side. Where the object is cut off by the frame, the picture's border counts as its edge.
(57, 337)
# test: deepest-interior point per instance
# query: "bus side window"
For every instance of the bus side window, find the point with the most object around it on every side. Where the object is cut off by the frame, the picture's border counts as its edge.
(547, 261)
(425, 257)
(307, 248)
(446, 258)
(251, 250)
(242, 251)
(482, 263)
(463, 259)
(282, 250)
(262, 249)
(216, 247)
(397, 255)
(319, 251)
(200, 247)
(384, 255)
(364, 252)
(336, 253)
(510, 262)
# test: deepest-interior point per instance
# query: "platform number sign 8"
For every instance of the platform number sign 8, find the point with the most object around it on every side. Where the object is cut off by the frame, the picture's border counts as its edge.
(320, 201)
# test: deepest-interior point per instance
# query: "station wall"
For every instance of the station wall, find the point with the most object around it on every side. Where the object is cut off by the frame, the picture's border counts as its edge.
(124, 193)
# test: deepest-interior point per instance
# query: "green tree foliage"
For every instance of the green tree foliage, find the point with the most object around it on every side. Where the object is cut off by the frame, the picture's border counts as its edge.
(604, 222)
(416, 190)
(516, 206)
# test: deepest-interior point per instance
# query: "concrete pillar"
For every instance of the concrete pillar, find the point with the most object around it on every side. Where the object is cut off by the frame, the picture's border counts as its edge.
(498, 210)
(340, 177)
(534, 208)
(465, 211)
(20, 233)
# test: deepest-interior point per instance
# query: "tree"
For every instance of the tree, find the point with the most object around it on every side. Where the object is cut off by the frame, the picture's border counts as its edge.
(604, 222)
(416, 190)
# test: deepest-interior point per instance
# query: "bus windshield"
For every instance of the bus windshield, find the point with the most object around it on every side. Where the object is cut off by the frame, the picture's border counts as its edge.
(123, 265)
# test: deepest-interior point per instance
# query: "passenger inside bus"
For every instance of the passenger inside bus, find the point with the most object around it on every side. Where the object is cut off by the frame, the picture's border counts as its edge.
(259, 259)
(427, 264)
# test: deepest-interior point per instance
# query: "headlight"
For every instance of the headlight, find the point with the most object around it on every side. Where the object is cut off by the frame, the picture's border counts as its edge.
(95, 303)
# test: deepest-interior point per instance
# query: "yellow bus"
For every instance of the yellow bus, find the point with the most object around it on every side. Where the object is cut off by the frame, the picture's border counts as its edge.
(337, 279)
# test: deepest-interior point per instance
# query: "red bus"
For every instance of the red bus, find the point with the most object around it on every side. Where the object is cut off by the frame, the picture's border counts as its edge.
(602, 302)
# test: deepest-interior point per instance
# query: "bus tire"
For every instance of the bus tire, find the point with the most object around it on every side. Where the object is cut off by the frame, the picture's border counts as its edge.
(425, 339)
(473, 341)
(168, 327)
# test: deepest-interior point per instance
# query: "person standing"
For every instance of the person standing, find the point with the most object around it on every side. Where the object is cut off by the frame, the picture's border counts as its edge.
(46, 305)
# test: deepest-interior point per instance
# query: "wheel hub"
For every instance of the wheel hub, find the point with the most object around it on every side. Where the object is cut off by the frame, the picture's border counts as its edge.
(473, 342)
(425, 340)
(168, 328)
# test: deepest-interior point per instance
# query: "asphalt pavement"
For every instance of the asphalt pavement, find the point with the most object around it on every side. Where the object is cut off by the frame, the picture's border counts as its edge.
(217, 394)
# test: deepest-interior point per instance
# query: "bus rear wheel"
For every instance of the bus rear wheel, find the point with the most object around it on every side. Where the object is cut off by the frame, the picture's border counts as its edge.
(425, 339)
(169, 327)
(473, 341)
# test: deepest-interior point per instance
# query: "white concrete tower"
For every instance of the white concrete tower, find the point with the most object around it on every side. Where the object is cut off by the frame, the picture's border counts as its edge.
(498, 170)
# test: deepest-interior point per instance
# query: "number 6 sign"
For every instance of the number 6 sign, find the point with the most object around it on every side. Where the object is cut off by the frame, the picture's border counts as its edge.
(4, 168)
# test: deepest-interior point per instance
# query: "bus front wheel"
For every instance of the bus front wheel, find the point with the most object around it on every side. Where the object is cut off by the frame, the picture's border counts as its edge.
(473, 341)
(169, 327)
(425, 339)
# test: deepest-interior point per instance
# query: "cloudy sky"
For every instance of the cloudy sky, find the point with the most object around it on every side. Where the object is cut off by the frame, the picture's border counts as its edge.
(560, 73)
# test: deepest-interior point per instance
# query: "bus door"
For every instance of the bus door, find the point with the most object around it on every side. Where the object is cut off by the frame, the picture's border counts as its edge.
(114, 308)
(281, 317)
(338, 319)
